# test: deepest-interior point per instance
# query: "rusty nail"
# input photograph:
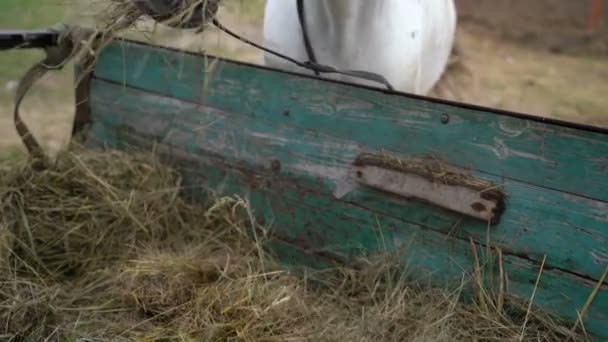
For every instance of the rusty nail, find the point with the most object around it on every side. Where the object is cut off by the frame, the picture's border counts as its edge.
(445, 118)
(478, 207)
(275, 166)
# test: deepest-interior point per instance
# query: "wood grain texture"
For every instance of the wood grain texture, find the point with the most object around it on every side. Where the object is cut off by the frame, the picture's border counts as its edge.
(571, 230)
(289, 142)
(316, 231)
(511, 148)
(311, 225)
(456, 198)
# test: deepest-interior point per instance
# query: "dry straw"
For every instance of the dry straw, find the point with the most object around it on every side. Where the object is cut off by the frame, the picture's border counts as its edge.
(101, 247)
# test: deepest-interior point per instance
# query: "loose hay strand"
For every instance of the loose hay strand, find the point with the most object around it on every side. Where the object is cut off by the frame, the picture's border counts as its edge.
(116, 254)
(581, 315)
(540, 272)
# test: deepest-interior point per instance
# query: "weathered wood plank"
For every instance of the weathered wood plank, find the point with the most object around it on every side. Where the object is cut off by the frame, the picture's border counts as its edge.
(571, 230)
(289, 142)
(318, 231)
(562, 158)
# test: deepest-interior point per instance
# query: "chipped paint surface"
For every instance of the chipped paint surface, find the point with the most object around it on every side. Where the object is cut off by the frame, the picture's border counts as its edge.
(502, 151)
(408, 126)
(538, 220)
(321, 155)
(270, 138)
(596, 209)
(288, 143)
(513, 128)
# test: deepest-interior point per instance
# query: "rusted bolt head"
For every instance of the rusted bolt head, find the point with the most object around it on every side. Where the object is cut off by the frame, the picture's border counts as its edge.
(275, 166)
(445, 118)
(479, 207)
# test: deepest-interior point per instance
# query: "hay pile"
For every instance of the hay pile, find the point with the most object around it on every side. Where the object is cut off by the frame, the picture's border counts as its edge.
(101, 248)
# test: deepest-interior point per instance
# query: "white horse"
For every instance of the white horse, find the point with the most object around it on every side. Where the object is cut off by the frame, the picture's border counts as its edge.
(407, 41)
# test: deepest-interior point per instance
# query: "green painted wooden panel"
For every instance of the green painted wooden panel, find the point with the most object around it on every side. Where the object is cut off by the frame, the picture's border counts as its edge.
(312, 225)
(570, 229)
(304, 210)
(248, 119)
(532, 152)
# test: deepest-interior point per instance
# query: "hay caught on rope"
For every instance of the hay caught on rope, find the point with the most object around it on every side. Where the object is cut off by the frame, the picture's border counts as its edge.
(100, 246)
(186, 14)
(84, 45)
(119, 17)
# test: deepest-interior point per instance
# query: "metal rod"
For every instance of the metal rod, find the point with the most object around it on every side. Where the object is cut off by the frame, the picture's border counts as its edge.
(27, 39)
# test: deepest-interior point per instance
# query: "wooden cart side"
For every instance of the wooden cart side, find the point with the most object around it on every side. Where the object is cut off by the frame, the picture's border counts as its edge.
(288, 141)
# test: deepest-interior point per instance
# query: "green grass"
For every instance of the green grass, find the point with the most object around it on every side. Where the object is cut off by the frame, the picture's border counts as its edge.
(31, 14)
(24, 15)
(28, 15)
(11, 153)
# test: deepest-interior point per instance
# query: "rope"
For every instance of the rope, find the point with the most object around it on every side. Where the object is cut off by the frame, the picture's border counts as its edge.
(56, 58)
(316, 67)
(302, 18)
(71, 38)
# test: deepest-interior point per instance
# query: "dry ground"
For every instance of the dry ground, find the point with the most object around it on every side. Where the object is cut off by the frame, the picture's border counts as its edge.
(536, 57)
(528, 56)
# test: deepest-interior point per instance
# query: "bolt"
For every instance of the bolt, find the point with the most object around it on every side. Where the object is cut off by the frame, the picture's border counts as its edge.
(445, 118)
(479, 207)
(275, 166)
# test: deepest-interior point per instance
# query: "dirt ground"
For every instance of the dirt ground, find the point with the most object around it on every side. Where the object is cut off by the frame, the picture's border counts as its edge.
(557, 26)
(535, 57)
(528, 56)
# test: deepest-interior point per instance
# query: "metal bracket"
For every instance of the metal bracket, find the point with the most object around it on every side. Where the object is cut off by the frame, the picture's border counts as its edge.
(431, 182)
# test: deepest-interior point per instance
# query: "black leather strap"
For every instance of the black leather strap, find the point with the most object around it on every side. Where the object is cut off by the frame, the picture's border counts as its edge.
(316, 67)
(160, 10)
(307, 45)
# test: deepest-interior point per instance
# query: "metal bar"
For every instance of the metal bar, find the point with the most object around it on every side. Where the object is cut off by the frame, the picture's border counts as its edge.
(27, 39)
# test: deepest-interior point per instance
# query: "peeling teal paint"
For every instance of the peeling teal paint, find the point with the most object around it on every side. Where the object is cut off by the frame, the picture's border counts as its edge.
(288, 142)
